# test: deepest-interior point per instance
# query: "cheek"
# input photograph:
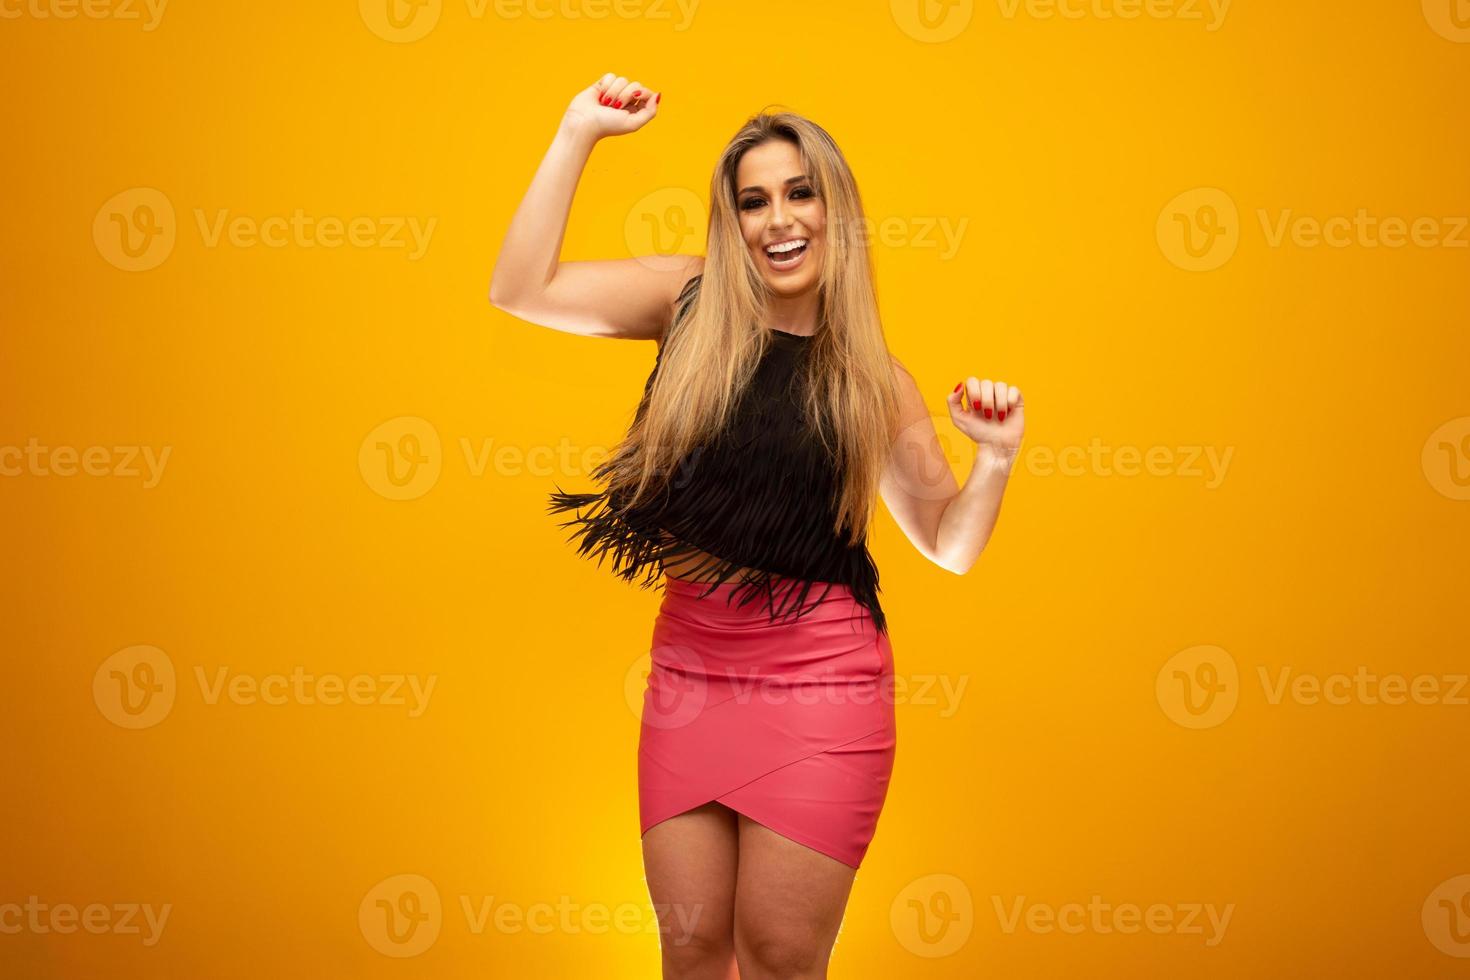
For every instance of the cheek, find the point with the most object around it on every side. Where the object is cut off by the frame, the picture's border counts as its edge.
(751, 232)
(817, 225)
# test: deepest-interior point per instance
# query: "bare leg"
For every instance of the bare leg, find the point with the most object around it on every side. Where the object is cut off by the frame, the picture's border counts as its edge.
(690, 863)
(788, 907)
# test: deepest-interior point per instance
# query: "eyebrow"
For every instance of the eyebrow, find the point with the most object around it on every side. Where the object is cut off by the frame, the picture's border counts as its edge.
(788, 180)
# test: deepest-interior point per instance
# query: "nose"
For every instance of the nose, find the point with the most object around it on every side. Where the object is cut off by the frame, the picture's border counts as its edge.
(779, 217)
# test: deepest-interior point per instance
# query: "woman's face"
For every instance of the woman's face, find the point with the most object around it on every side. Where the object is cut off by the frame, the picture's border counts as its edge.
(778, 204)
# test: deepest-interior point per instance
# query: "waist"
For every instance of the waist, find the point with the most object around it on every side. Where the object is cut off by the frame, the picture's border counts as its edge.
(778, 583)
(723, 623)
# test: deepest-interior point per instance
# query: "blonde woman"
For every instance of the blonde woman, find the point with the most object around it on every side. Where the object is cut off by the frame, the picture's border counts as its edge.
(773, 420)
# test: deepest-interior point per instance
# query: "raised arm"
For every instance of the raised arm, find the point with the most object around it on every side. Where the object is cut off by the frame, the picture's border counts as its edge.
(949, 524)
(629, 298)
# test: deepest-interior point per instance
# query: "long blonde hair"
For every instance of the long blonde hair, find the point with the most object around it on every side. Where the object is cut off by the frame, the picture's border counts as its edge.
(712, 350)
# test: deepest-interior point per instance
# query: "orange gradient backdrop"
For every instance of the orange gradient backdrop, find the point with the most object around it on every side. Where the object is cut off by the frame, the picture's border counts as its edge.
(302, 681)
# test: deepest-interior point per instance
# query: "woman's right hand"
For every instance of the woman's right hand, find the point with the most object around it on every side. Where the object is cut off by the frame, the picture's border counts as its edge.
(612, 106)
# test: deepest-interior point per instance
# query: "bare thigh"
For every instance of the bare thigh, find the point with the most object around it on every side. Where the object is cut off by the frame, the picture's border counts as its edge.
(789, 905)
(690, 862)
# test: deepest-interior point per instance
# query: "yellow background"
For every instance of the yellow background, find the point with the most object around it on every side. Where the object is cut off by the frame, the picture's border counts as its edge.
(1333, 542)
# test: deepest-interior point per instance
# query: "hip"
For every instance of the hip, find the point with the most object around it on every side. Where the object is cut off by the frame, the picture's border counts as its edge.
(704, 632)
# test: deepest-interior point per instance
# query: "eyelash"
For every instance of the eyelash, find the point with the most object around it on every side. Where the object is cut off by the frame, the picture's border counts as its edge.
(749, 203)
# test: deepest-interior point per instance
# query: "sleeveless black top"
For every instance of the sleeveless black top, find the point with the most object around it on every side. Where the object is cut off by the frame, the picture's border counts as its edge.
(758, 496)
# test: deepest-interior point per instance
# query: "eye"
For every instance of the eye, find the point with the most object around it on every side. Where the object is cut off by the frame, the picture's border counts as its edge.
(803, 192)
(751, 203)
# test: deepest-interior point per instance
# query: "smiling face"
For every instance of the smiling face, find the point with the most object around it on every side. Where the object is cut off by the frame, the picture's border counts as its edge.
(777, 204)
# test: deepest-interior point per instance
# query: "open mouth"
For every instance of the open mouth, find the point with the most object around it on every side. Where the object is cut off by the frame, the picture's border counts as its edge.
(786, 255)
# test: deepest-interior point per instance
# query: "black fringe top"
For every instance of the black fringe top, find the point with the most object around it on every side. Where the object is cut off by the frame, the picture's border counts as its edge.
(759, 496)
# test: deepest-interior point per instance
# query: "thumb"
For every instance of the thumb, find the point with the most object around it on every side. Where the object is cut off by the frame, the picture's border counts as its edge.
(956, 401)
(648, 109)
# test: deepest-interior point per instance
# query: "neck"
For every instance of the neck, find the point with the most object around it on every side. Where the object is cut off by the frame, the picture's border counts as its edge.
(793, 314)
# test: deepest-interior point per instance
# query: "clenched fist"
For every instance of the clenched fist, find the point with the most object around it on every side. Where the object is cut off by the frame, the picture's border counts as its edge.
(612, 106)
(996, 417)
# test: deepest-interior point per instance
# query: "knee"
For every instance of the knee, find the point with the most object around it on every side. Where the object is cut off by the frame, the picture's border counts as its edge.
(781, 951)
(696, 952)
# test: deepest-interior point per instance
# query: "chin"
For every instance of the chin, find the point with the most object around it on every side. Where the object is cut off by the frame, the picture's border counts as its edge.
(787, 287)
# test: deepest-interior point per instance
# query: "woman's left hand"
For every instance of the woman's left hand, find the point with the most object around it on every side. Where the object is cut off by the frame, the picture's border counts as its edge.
(995, 419)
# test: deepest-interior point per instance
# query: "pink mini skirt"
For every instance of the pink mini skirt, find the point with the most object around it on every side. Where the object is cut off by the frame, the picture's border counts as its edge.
(789, 722)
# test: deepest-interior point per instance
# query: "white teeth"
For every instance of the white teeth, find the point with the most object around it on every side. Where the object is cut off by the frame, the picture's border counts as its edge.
(785, 246)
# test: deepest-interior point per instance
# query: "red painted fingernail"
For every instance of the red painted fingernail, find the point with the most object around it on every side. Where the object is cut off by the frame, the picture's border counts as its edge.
(658, 98)
(618, 104)
(1002, 416)
(602, 100)
(637, 92)
(958, 386)
(988, 413)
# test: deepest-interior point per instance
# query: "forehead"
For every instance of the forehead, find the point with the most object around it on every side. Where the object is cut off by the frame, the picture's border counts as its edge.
(768, 165)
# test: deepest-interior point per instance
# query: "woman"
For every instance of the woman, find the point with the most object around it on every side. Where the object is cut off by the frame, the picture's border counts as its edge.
(773, 419)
